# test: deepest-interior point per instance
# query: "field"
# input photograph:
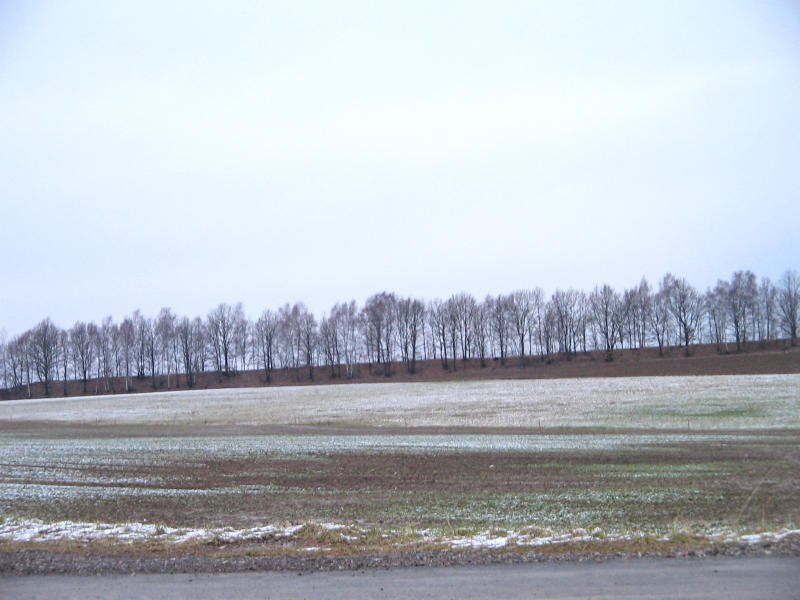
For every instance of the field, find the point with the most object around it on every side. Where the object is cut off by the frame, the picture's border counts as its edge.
(712, 402)
(647, 464)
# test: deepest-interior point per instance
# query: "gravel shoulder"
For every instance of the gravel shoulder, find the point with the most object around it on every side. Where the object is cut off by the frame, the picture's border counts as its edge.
(33, 562)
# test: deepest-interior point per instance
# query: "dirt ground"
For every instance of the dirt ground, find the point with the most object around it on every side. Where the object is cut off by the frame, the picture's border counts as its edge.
(749, 479)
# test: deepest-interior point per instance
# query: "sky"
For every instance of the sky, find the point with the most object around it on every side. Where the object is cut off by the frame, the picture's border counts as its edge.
(184, 154)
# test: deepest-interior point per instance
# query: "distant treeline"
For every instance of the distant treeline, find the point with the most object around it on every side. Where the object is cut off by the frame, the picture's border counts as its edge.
(390, 331)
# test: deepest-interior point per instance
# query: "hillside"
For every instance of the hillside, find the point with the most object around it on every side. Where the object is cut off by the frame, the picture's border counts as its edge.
(777, 357)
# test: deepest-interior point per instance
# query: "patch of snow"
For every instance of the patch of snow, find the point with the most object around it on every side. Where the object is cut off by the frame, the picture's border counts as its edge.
(20, 530)
(758, 538)
(37, 531)
(481, 540)
(485, 540)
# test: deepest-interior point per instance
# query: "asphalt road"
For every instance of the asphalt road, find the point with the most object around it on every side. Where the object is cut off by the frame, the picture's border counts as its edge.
(728, 578)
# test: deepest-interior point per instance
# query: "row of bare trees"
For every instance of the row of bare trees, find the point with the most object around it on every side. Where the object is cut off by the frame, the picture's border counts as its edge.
(390, 331)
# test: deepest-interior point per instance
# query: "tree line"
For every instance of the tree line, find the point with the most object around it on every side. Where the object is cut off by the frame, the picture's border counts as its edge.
(391, 331)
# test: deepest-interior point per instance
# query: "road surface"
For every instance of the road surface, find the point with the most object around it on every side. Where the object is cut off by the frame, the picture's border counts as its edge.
(729, 578)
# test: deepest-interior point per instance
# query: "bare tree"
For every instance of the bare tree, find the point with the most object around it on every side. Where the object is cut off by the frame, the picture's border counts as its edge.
(567, 316)
(583, 317)
(380, 315)
(660, 321)
(242, 336)
(64, 358)
(80, 339)
(5, 379)
(462, 309)
(149, 345)
(116, 351)
(18, 361)
(536, 321)
(347, 319)
(166, 342)
(200, 341)
(183, 333)
(636, 314)
(191, 346)
(606, 311)
(297, 335)
(44, 351)
(481, 328)
(549, 331)
(768, 301)
(26, 361)
(222, 323)
(520, 311)
(338, 338)
(742, 298)
(716, 309)
(628, 325)
(789, 303)
(329, 344)
(142, 332)
(685, 306)
(289, 338)
(410, 321)
(104, 353)
(127, 333)
(437, 321)
(265, 340)
(500, 317)
(642, 308)
(453, 323)
(308, 337)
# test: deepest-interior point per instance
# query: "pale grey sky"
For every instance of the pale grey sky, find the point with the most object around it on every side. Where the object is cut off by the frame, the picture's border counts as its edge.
(186, 153)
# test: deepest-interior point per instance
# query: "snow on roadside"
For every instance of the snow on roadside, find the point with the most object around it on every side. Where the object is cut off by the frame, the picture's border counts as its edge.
(486, 540)
(37, 531)
(19, 530)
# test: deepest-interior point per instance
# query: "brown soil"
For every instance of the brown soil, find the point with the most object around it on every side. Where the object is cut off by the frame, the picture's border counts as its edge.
(752, 480)
(756, 359)
(706, 482)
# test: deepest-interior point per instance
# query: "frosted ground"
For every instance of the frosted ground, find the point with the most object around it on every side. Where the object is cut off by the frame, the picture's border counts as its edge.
(702, 402)
(318, 467)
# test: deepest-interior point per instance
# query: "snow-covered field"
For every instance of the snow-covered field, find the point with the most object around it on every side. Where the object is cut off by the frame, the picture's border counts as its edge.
(708, 402)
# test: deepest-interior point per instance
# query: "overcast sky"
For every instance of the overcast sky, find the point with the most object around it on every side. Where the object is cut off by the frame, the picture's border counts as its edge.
(186, 153)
